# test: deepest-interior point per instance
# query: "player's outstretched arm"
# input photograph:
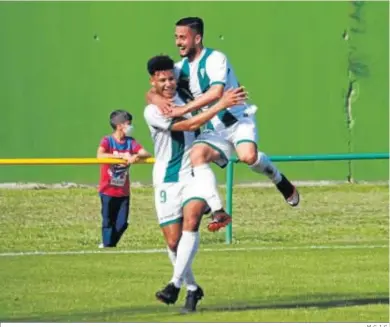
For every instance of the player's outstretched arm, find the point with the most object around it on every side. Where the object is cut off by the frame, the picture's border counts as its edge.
(229, 98)
(214, 93)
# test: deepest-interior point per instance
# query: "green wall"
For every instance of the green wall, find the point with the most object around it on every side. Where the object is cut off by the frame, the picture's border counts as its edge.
(58, 83)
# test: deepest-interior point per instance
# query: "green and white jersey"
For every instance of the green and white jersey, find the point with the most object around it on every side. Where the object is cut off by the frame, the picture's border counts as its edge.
(210, 68)
(171, 148)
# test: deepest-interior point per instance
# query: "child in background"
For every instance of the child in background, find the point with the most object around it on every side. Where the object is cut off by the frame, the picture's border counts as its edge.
(114, 184)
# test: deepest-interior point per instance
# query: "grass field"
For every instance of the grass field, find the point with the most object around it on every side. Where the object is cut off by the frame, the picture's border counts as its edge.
(326, 261)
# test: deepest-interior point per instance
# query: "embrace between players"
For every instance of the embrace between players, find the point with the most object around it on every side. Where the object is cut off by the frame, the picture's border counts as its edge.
(197, 114)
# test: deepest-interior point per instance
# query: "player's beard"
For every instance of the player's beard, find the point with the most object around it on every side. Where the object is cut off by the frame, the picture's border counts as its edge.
(191, 53)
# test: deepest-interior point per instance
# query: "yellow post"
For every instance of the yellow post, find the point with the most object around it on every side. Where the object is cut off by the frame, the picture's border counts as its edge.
(66, 161)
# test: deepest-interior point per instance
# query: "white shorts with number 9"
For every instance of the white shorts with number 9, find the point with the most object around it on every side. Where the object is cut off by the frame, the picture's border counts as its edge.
(169, 199)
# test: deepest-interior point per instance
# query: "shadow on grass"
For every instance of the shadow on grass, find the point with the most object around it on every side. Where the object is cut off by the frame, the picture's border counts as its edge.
(161, 310)
(299, 305)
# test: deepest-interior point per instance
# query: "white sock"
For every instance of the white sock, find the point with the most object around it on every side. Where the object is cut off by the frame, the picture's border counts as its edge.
(205, 184)
(189, 278)
(186, 250)
(263, 165)
(172, 256)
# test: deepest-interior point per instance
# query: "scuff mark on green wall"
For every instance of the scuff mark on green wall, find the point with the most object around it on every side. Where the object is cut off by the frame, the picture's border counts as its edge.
(356, 69)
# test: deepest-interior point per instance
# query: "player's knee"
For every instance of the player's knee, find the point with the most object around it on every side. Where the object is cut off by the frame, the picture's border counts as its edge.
(247, 152)
(192, 221)
(172, 244)
(249, 157)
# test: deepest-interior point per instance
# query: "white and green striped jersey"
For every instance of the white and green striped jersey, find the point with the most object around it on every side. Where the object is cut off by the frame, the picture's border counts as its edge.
(210, 68)
(171, 148)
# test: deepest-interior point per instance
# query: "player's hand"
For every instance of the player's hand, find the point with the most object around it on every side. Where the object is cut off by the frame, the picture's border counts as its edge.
(233, 97)
(164, 105)
(177, 111)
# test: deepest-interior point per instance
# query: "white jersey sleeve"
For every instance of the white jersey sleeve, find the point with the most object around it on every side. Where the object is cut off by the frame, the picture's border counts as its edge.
(217, 68)
(155, 119)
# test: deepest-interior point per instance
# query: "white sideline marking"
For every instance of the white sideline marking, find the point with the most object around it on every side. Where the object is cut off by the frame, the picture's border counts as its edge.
(135, 184)
(227, 249)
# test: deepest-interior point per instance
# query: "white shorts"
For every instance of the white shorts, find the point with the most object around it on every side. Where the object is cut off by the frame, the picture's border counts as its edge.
(225, 141)
(170, 199)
